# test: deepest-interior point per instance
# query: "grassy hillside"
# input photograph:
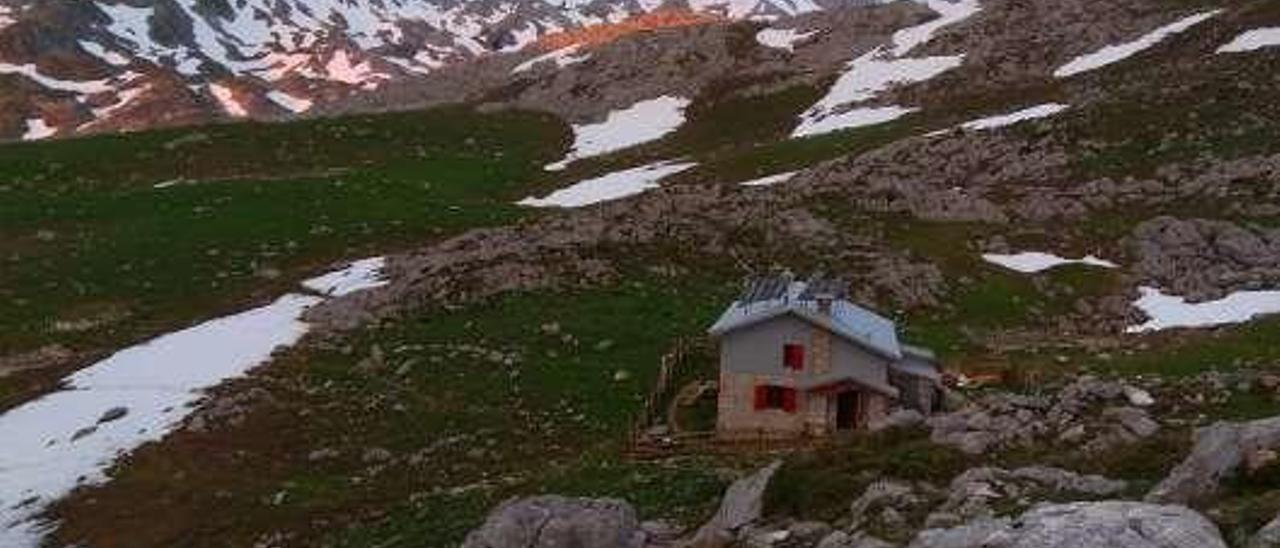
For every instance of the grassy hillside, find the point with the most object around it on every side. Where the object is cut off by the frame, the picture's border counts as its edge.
(405, 435)
(111, 239)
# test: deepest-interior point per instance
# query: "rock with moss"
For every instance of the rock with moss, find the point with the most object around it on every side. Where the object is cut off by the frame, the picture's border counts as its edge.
(1107, 524)
(553, 521)
(742, 505)
(1267, 537)
(1219, 452)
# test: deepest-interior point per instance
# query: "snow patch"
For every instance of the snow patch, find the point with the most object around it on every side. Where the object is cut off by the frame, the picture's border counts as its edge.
(876, 71)
(1029, 262)
(949, 13)
(1255, 39)
(342, 69)
(640, 123)
(1119, 52)
(1168, 312)
(360, 275)
(37, 129)
(57, 443)
(227, 98)
(785, 39)
(110, 57)
(296, 105)
(562, 57)
(1031, 113)
(123, 99)
(853, 118)
(771, 179)
(85, 87)
(612, 186)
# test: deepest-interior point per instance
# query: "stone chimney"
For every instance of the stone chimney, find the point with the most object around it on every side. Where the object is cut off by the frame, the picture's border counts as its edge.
(824, 302)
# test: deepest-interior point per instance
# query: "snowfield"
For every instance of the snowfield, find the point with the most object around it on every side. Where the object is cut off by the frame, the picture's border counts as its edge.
(784, 39)
(876, 71)
(640, 123)
(1253, 40)
(612, 186)
(1168, 312)
(1119, 52)
(1031, 113)
(67, 438)
(1029, 262)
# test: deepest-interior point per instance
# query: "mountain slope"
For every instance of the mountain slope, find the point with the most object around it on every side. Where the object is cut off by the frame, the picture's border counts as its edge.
(108, 65)
(511, 347)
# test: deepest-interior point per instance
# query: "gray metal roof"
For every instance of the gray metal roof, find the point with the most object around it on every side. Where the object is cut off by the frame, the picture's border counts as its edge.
(913, 351)
(917, 368)
(850, 321)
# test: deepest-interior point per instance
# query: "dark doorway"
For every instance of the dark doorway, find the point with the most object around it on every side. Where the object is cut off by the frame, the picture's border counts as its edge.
(847, 410)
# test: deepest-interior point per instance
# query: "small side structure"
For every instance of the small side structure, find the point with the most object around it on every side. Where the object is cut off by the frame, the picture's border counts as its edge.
(797, 358)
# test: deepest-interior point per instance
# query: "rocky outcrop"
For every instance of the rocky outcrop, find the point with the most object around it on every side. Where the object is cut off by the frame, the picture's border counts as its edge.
(1267, 537)
(1108, 524)
(975, 493)
(886, 504)
(1204, 259)
(553, 521)
(743, 504)
(841, 539)
(1090, 413)
(572, 249)
(1219, 452)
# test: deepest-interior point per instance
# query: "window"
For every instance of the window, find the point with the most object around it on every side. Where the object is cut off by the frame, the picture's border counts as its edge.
(793, 357)
(775, 397)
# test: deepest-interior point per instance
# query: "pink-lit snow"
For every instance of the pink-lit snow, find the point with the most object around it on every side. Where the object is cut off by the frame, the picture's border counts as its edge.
(227, 98)
(37, 129)
(297, 105)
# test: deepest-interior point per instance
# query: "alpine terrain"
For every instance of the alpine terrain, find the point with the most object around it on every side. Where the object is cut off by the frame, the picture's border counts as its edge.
(641, 274)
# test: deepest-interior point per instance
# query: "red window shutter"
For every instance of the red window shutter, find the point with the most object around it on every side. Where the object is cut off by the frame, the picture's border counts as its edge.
(793, 356)
(762, 397)
(789, 400)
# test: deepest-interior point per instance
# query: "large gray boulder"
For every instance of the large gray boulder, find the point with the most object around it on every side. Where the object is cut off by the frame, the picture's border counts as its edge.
(553, 521)
(1107, 524)
(1267, 537)
(743, 504)
(842, 539)
(977, 492)
(1219, 451)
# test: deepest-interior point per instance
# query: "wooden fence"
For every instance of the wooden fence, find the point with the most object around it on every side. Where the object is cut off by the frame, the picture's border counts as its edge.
(672, 365)
(642, 443)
